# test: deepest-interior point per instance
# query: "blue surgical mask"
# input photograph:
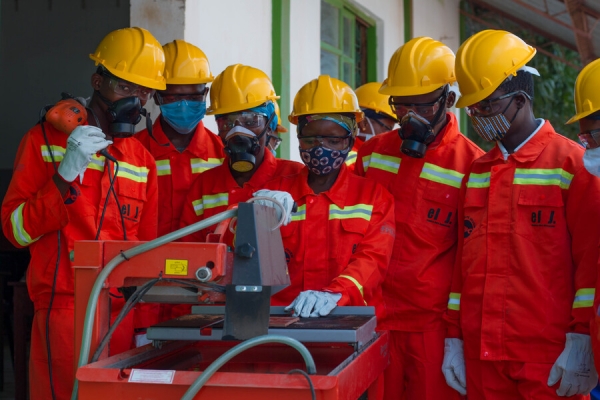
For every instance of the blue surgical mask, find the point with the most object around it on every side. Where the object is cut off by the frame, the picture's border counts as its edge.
(321, 160)
(183, 115)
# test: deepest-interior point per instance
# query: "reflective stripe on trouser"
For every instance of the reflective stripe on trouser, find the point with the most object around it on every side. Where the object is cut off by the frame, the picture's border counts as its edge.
(415, 370)
(62, 335)
(510, 380)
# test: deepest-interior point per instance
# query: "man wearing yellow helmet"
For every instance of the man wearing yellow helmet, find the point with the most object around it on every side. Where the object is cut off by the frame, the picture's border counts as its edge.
(338, 243)
(422, 164)
(62, 191)
(242, 100)
(523, 288)
(182, 147)
(587, 113)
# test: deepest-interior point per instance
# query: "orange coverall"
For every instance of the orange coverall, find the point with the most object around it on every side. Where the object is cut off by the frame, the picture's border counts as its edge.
(417, 284)
(339, 240)
(215, 190)
(176, 171)
(528, 260)
(33, 211)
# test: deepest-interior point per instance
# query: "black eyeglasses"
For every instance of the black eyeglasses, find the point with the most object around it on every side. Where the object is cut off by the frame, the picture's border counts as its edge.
(491, 106)
(167, 98)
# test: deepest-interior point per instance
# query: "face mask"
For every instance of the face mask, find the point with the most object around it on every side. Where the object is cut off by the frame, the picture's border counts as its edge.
(123, 115)
(184, 115)
(591, 161)
(492, 129)
(241, 144)
(416, 133)
(321, 160)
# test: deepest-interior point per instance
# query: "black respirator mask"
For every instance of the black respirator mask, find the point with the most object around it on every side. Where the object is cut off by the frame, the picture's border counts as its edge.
(243, 146)
(417, 132)
(124, 114)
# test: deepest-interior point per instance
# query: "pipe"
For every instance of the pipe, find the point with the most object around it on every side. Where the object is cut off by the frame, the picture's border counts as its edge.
(234, 351)
(134, 251)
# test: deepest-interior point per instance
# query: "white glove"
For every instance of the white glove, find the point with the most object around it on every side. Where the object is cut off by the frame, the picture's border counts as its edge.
(453, 366)
(312, 303)
(284, 198)
(82, 144)
(575, 367)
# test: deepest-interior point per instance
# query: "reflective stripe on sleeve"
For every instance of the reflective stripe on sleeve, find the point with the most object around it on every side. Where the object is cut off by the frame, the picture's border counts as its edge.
(19, 232)
(363, 211)
(351, 159)
(454, 301)
(441, 175)
(584, 298)
(358, 285)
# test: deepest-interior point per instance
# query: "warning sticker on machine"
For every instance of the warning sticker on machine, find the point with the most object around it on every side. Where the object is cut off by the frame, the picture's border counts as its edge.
(176, 267)
(151, 376)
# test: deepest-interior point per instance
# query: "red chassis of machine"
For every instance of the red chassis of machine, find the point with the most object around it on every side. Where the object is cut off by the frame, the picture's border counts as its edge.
(168, 371)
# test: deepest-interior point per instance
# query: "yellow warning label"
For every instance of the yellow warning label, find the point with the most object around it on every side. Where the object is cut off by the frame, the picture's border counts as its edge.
(176, 267)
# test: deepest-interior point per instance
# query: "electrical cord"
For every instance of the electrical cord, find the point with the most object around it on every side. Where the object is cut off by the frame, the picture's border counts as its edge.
(110, 188)
(54, 279)
(313, 394)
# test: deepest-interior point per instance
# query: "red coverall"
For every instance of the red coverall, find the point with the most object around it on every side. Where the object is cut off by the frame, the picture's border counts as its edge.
(417, 284)
(33, 211)
(215, 190)
(176, 171)
(339, 240)
(528, 260)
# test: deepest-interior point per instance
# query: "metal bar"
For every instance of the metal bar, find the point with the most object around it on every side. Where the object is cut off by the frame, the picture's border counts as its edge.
(548, 16)
(583, 38)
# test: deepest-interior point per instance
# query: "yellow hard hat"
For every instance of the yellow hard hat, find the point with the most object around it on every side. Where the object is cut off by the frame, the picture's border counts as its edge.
(134, 55)
(238, 88)
(587, 95)
(325, 95)
(421, 65)
(369, 97)
(485, 60)
(280, 128)
(186, 64)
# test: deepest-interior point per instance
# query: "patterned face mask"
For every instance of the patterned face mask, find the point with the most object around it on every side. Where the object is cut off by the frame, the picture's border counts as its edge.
(493, 129)
(321, 160)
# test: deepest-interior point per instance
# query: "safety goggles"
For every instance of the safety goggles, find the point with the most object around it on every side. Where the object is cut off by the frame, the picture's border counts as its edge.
(331, 142)
(490, 107)
(128, 89)
(590, 139)
(274, 142)
(167, 98)
(426, 110)
(247, 119)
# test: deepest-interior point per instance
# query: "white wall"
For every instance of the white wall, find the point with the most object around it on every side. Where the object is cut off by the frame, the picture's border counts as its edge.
(438, 19)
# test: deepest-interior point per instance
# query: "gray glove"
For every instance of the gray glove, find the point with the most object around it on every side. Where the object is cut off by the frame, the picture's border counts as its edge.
(575, 367)
(82, 144)
(312, 303)
(284, 198)
(453, 366)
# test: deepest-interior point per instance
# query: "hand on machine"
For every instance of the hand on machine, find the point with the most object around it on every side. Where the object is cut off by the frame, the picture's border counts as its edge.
(312, 303)
(283, 198)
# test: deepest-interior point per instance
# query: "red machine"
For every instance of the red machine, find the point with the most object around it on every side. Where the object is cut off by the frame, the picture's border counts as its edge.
(348, 354)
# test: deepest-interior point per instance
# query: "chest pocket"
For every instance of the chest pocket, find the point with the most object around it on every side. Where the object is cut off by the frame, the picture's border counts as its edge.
(132, 197)
(540, 213)
(435, 213)
(347, 241)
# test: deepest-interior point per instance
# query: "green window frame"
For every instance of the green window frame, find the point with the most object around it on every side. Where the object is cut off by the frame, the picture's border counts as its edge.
(348, 43)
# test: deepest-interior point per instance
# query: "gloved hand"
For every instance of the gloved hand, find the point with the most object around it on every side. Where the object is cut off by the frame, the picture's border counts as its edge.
(575, 367)
(453, 366)
(312, 303)
(82, 144)
(284, 198)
